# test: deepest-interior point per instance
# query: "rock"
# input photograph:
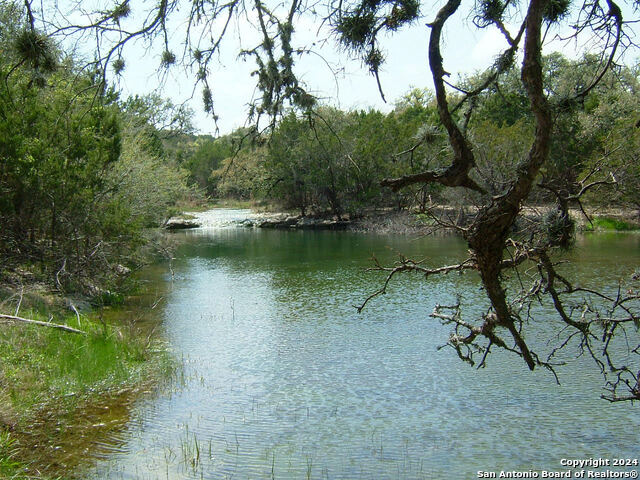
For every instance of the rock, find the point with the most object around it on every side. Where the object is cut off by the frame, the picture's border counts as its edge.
(278, 221)
(333, 225)
(267, 223)
(180, 223)
(305, 223)
(122, 270)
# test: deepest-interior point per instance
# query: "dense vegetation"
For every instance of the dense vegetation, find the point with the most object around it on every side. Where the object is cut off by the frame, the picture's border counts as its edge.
(82, 173)
(330, 161)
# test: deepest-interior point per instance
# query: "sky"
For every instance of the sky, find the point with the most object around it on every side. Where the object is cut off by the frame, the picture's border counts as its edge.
(331, 75)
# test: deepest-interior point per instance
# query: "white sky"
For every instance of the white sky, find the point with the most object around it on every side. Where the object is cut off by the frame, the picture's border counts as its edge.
(465, 51)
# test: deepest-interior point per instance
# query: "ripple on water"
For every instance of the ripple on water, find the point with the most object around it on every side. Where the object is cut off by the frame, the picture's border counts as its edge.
(282, 378)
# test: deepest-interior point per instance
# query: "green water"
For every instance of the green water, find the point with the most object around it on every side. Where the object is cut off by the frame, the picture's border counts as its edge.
(284, 379)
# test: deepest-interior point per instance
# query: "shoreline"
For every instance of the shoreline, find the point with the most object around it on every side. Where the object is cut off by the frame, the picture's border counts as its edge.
(62, 391)
(392, 221)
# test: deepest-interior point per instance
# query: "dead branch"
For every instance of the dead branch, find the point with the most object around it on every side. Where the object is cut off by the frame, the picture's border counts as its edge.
(13, 318)
(408, 265)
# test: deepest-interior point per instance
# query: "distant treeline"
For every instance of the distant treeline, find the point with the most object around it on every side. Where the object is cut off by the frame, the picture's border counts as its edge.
(332, 161)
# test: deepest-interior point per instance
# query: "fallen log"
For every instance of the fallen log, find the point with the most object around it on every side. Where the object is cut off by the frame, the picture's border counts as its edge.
(13, 318)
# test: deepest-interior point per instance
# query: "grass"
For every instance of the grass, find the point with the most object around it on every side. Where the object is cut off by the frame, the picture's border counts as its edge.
(609, 224)
(47, 377)
(40, 363)
(9, 467)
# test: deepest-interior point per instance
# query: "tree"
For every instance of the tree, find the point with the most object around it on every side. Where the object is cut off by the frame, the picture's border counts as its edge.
(81, 175)
(242, 175)
(489, 235)
(329, 161)
(360, 26)
(205, 156)
(609, 124)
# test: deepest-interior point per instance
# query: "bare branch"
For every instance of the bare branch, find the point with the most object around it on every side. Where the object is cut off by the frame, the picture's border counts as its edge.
(408, 265)
(13, 318)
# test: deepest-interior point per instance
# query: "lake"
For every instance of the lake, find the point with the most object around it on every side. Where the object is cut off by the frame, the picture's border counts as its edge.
(282, 378)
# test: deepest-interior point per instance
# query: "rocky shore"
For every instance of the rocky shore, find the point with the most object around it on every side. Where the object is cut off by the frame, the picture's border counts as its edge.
(246, 218)
(375, 221)
(286, 221)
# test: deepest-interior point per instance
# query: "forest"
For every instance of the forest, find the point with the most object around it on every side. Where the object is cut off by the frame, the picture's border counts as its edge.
(332, 162)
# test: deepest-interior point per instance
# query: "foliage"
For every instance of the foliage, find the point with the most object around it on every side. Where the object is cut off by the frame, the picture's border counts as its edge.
(594, 132)
(82, 175)
(607, 223)
(241, 176)
(205, 156)
(144, 180)
(41, 363)
(332, 161)
(9, 467)
(610, 123)
(359, 25)
(56, 147)
(500, 147)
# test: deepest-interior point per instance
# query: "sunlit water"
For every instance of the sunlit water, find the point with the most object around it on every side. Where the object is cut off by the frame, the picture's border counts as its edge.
(284, 379)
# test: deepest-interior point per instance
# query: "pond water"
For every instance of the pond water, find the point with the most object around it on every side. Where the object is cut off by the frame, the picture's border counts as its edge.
(282, 378)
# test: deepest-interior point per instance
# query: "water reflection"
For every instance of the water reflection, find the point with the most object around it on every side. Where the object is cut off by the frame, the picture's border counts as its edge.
(283, 379)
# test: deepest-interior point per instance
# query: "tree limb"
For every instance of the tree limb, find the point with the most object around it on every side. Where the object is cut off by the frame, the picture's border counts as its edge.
(13, 318)
(408, 265)
(457, 174)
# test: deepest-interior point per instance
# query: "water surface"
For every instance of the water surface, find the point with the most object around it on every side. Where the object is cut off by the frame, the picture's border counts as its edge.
(284, 379)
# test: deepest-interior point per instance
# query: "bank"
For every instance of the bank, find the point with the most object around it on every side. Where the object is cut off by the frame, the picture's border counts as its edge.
(437, 218)
(70, 373)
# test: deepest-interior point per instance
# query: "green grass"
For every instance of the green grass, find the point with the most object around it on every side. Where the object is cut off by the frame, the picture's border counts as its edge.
(48, 376)
(10, 467)
(609, 224)
(40, 363)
